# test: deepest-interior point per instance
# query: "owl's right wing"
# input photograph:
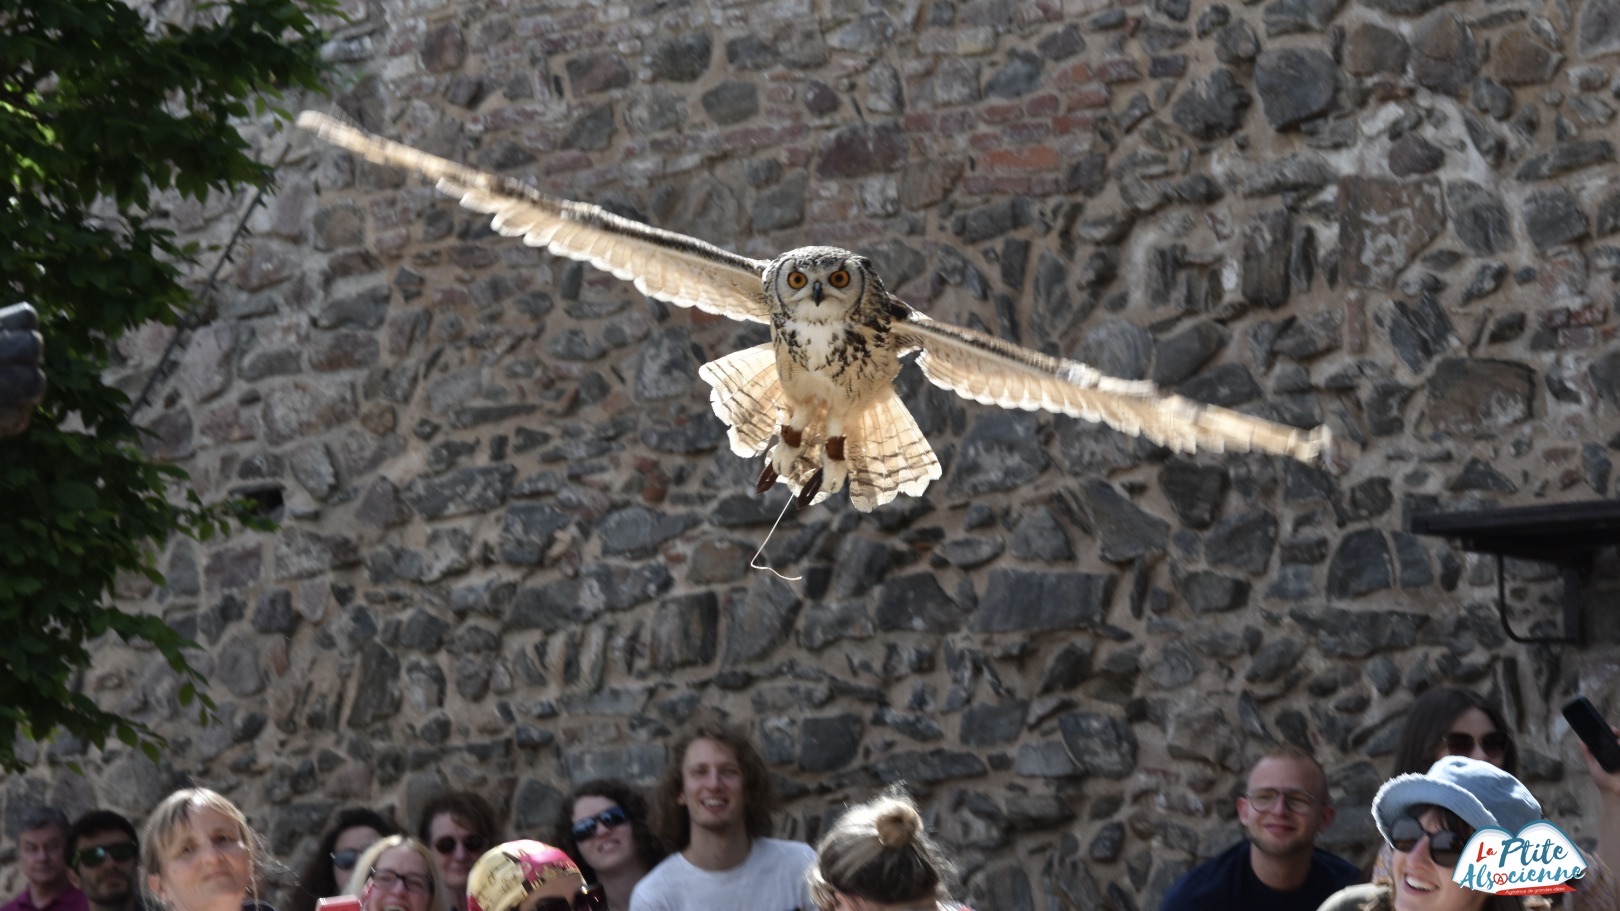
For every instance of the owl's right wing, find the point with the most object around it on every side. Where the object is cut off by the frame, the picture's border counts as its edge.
(987, 369)
(671, 267)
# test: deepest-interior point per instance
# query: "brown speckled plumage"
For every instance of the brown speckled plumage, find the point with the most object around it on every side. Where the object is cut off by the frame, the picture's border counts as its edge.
(826, 378)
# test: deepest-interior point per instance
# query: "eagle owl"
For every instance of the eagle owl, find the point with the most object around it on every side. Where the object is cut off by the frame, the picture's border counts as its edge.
(823, 387)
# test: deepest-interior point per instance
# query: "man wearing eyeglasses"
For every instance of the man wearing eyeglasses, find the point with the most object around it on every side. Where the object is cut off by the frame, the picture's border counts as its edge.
(1279, 867)
(102, 853)
(42, 854)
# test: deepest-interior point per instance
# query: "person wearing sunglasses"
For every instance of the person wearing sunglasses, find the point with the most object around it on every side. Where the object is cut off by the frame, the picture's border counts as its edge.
(102, 850)
(42, 858)
(396, 873)
(1283, 808)
(1446, 721)
(326, 873)
(458, 826)
(606, 830)
(530, 876)
(1426, 820)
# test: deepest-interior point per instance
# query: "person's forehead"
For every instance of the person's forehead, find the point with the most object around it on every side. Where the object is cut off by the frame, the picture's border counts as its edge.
(103, 838)
(401, 859)
(588, 805)
(709, 752)
(42, 835)
(356, 836)
(1472, 720)
(447, 823)
(1285, 774)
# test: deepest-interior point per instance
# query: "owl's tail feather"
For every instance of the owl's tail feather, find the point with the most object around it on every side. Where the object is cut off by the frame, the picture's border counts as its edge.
(747, 395)
(887, 454)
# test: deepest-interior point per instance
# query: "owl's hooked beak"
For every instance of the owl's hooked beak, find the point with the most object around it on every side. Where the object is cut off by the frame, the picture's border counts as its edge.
(816, 292)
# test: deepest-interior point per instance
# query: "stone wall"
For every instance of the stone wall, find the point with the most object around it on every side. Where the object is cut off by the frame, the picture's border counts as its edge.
(514, 546)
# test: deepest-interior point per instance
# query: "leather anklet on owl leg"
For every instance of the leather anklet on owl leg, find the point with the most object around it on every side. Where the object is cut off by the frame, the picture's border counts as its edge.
(779, 461)
(786, 452)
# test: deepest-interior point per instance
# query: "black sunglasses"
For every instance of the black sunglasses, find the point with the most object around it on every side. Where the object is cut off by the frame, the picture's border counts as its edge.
(1459, 744)
(588, 898)
(474, 844)
(1445, 846)
(610, 818)
(95, 857)
(346, 858)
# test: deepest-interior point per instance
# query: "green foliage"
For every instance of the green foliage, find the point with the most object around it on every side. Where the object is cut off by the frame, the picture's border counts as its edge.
(99, 114)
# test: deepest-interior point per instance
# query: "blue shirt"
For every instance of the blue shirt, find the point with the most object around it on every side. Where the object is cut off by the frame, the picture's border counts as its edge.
(1226, 882)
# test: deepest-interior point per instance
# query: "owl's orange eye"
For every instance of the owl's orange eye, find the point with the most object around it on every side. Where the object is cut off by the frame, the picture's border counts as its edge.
(797, 280)
(838, 279)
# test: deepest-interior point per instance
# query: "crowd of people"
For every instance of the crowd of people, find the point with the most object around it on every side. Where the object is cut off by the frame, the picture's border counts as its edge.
(705, 845)
(704, 842)
(1453, 776)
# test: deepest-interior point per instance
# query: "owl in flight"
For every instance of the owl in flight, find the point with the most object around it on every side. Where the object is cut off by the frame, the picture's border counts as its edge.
(823, 386)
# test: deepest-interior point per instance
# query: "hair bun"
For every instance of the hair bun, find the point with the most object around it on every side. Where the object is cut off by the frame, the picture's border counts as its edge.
(897, 824)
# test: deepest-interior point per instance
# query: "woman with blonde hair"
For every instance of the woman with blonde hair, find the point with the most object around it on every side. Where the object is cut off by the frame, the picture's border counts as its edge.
(878, 857)
(397, 874)
(198, 853)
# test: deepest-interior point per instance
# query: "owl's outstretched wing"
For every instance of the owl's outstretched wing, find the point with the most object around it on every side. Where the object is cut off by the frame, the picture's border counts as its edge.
(986, 369)
(671, 267)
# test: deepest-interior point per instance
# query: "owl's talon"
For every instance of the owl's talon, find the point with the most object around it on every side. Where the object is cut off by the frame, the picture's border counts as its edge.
(812, 486)
(767, 477)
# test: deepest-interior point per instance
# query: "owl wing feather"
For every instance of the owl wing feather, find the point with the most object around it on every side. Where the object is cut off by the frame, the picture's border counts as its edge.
(987, 369)
(747, 395)
(671, 267)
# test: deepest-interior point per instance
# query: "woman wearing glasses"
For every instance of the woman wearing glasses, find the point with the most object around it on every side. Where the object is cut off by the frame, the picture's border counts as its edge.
(198, 853)
(458, 826)
(1452, 722)
(607, 832)
(396, 874)
(356, 829)
(530, 876)
(1426, 820)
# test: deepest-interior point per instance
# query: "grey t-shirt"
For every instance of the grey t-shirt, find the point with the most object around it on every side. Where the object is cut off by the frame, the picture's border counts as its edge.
(771, 878)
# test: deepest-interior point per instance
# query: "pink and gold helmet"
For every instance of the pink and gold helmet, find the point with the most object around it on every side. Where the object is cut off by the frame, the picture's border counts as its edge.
(508, 873)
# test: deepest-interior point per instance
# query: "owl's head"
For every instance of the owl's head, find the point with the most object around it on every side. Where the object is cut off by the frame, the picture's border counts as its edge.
(820, 281)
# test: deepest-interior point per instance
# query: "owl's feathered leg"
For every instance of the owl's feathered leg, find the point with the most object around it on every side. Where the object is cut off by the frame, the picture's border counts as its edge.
(834, 471)
(787, 451)
(780, 461)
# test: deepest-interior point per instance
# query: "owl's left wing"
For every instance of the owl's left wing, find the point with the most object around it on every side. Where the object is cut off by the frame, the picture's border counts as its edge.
(671, 267)
(987, 369)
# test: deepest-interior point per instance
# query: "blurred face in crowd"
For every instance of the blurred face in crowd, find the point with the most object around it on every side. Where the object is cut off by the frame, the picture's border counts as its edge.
(40, 854)
(464, 848)
(712, 786)
(1420, 884)
(401, 880)
(205, 864)
(105, 879)
(1285, 806)
(350, 842)
(608, 848)
(1474, 735)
